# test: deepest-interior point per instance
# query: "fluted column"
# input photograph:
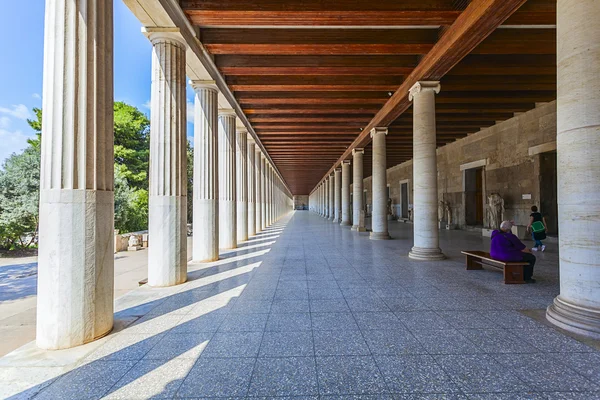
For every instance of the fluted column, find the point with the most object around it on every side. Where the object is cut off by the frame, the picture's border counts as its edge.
(263, 188)
(379, 221)
(357, 190)
(337, 180)
(346, 193)
(332, 196)
(167, 211)
(241, 169)
(206, 173)
(258, 190)
(577, 308)
(251, 188)
(76, 264)
(425, 209)
(227, 180)
(269, 194)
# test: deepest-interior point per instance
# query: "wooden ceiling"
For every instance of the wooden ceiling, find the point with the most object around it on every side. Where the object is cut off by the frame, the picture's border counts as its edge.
(314, 76)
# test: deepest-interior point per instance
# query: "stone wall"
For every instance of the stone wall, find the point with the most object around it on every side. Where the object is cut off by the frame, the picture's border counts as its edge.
(509, 153)
(300, 200)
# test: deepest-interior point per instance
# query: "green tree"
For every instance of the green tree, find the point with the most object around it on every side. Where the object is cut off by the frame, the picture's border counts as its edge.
(19, 193)
(132, 144)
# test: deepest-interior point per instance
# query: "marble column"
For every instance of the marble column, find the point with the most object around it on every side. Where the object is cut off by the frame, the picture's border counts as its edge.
(206, 173)
(76, 263)
(337, 195)
(251, 188)
(357, 190)
(270, 194)
(331, 196)
(577, 307)
(425, 210)
(379, 221)
(346, 193)
(326, 184)
(227, 180)
(263, 188)
(167, 208)
(241, 168)
(258, 190)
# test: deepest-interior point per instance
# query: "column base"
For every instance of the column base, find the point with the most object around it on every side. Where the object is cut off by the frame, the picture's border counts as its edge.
(336, 220)
(330, 218)
(573, 318)
(345, 223)
(379, 236)
(357, 228)
(425, 254)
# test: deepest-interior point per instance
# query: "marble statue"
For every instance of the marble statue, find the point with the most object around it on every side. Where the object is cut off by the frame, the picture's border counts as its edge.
(495, 211)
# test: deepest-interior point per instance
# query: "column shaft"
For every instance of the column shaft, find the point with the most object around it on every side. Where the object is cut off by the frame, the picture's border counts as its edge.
(251, 189)
(379, 221)
(331, 196)
(337, 180)
(167, 230)
(357, 190)
(346, 193)
(263, 188)
(206, 174)
(258, 190)
(241, 169)
(76, 263)
(227, 181)
(425, 210)
(577, 308)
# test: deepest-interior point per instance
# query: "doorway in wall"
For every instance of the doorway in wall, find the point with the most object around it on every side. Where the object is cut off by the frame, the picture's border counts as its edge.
(474, 196)
(404, 200)
(548, 196)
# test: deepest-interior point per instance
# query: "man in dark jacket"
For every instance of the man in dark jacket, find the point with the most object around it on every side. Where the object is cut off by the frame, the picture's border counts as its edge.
(507, 247)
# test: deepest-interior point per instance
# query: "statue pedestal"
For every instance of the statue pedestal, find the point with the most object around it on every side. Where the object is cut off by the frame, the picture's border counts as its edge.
(450, 227)
(134, 248)
(520, 231)
(486, 232)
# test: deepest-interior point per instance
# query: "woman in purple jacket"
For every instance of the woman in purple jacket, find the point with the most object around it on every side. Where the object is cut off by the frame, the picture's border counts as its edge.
(507, 247)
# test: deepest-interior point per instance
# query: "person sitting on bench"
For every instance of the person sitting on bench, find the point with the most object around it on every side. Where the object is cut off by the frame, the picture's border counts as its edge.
(507, 247)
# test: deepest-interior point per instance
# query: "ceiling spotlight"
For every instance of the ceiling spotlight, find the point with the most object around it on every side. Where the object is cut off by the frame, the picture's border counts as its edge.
(390, 94)
(361, 129)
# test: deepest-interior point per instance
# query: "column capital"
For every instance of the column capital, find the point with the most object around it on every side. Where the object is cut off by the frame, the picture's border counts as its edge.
(159, 33)
(227, 112)
(332, 175)
(381, 129)
(338, 169)
(198, 85)
(346, 162)
(422, 86)
(358, 150)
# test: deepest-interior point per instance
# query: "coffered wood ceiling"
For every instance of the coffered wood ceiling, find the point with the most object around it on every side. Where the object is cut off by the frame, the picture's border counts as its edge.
(314, 76)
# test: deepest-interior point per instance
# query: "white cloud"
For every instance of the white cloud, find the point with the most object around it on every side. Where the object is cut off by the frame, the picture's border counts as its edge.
(36, 96)
(4, 122)
(12, 142)
(19, 111)
(147, 105)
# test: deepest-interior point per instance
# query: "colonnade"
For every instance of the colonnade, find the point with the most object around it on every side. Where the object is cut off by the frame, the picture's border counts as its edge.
(426, 244)
(577, 307)
(237, 192)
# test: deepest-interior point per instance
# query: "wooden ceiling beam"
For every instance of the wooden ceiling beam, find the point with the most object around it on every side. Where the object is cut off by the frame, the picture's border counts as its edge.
(308, 71)
(320, 49)
(477, 22)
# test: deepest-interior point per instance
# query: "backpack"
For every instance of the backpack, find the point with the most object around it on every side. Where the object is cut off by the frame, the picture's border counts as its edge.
(539, 232)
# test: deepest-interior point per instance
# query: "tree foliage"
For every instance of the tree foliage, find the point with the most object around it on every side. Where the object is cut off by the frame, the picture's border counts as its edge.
(20, 179)
(19, 193)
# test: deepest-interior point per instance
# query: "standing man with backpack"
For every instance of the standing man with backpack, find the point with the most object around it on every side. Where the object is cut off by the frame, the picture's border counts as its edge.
(537, 227)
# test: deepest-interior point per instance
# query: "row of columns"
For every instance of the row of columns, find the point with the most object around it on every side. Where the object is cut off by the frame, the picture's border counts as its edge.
(236, 190)
(577, 307)
(426, 240)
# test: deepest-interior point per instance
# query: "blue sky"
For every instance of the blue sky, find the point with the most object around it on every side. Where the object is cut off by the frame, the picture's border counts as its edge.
(22, 49)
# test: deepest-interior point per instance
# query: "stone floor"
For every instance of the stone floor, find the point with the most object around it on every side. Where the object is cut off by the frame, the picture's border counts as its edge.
(308, 310)
(18, 289)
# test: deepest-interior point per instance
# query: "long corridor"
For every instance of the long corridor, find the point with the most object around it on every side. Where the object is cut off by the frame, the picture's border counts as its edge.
(310, 309)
